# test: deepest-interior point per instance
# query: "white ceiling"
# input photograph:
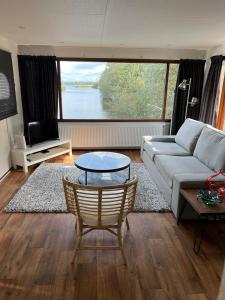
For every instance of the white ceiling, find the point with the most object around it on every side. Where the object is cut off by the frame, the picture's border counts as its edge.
(193, 24)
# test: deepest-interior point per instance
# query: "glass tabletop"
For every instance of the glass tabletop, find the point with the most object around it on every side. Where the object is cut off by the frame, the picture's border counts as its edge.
(102, 162)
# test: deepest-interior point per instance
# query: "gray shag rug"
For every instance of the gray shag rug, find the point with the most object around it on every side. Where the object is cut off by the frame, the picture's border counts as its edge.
(43, 191)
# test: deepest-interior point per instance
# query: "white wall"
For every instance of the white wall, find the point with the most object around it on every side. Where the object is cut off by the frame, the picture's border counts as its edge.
(94, 52)
(13, 124)
(63, 51)
(219, 50)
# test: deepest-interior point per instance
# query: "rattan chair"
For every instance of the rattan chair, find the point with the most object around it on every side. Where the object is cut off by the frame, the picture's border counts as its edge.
(101, 208)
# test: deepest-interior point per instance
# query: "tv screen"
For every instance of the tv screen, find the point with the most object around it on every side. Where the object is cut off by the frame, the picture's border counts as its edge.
(37, 132)
(34, 133)
(7, 87)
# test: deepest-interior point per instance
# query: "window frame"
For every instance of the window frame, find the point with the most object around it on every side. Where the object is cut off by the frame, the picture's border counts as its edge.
(167, 62)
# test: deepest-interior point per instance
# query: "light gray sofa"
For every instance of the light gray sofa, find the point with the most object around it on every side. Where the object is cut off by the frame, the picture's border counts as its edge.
(184, 160)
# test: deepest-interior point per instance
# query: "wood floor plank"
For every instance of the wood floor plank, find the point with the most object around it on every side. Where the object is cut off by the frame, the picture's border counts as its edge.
(197, 297)
(36, 251)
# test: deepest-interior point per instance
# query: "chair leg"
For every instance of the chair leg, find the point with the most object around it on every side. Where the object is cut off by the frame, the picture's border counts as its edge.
(127, 223)
(120, 242)
(79, 232)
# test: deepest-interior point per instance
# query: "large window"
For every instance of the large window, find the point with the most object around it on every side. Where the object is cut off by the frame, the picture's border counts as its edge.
(116, 90)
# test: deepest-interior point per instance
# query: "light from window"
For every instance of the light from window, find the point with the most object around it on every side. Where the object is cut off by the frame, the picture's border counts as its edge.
(118, 91)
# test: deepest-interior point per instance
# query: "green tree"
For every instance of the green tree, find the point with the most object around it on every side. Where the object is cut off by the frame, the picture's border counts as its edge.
(133, 90)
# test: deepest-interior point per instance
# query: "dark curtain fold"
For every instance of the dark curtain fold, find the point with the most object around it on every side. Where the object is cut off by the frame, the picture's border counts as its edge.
(208, 104)
(194, 69)
(38, 81)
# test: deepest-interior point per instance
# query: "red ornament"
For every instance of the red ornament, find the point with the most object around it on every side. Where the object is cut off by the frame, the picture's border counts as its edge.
(216, 186)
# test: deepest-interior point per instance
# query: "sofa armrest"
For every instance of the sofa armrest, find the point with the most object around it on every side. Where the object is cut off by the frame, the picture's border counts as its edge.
(160, 138)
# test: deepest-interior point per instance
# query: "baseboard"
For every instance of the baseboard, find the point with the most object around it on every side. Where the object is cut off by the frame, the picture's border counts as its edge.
(107, 148)
(5, 175)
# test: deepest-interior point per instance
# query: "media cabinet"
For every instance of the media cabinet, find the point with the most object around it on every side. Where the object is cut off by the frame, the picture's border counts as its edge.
(39, 152)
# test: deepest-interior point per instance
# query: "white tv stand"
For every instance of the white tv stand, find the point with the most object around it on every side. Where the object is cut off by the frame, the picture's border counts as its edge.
(39, 152)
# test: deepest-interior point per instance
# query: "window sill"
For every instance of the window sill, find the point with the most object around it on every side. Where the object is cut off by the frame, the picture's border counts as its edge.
(112, 121)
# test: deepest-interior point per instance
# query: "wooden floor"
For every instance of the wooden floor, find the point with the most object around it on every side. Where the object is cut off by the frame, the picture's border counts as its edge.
(36, 251)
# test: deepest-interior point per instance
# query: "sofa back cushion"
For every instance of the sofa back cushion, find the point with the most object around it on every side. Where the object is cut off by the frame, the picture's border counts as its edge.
(188, 134)
(210, 148)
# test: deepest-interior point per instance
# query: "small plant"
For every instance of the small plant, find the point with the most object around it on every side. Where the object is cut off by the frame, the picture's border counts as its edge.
(210, 198)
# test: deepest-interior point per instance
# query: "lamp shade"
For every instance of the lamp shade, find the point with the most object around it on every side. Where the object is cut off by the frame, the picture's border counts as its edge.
(194, 101)
(183, 85)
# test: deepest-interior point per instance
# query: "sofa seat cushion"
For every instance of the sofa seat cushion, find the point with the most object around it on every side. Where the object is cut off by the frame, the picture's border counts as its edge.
(169, 166)
(210, 148)
(162, 148)
(188, 134)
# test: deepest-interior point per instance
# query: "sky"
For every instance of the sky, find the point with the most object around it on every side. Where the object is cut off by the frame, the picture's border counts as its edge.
(81, 71)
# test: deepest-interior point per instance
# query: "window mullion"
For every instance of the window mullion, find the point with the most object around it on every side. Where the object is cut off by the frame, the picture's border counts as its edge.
(163, 116)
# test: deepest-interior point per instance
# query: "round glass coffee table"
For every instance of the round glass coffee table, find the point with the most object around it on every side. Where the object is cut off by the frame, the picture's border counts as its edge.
(102, 168)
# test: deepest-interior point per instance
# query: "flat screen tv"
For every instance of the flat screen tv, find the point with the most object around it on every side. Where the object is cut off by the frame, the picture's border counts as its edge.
(35, 133)
(7, 87)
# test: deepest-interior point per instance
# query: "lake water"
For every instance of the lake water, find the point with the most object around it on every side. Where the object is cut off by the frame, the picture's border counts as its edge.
(82, 103)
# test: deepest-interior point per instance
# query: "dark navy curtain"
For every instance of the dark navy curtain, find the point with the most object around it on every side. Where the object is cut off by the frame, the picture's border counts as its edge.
(39, 90)
(208, 105)
(194, 69)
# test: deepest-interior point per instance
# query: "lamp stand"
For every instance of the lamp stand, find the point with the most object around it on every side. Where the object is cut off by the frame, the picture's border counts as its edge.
(188, 95)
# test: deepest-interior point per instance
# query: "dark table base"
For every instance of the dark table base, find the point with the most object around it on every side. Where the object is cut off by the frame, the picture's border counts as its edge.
(103, 178)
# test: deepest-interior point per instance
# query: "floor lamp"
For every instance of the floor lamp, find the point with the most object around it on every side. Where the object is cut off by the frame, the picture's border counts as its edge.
(186, 85)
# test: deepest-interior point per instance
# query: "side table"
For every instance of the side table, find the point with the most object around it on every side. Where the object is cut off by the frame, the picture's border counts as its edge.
(204, 213)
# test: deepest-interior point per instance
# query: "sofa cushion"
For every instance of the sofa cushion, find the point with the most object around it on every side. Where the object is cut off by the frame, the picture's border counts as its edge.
(188, 134)
(169, 166)
(210, 148)
(156, 148)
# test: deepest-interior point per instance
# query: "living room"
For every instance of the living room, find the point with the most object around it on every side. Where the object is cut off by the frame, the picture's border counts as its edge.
(112, 120)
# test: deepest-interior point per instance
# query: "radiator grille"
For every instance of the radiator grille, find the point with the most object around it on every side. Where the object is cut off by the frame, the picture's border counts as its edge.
(97, 136)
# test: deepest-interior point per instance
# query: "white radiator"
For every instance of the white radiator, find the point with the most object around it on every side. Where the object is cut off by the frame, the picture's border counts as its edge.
(109, 136)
